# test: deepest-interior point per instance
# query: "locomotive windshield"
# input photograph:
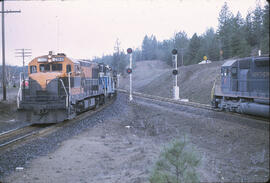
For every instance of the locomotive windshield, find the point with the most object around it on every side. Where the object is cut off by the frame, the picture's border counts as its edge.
(56, 67)
(44, 67)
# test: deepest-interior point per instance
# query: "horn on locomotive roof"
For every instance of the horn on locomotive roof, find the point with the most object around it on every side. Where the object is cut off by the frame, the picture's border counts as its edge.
(61, 54)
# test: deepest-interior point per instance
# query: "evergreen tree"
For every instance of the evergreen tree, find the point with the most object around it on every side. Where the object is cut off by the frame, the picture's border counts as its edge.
(166, 47)
(181, 42)
(149, 48)
(225, 30)
(193, 48)
(257, 22)
(145, 48)
(137, 55)
(209, 45)
(265, 30)
(239, 45)
(248, 30)
(176, 164)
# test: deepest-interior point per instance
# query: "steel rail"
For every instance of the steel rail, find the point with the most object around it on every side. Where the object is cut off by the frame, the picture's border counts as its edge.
(17, 139)
(7, 137)
(192, 104)
(196, 105)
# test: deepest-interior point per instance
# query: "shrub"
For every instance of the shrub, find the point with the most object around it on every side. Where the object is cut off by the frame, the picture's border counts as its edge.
(176, 164)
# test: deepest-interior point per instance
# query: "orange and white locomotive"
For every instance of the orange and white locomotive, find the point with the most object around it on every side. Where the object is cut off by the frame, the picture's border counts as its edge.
(59, 87)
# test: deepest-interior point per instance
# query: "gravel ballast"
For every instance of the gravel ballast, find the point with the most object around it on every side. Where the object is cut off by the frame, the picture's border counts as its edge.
(122, 143)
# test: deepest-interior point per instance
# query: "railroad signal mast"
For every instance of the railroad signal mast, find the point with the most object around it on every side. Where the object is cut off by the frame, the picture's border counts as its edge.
(129, 71)
(175, 72)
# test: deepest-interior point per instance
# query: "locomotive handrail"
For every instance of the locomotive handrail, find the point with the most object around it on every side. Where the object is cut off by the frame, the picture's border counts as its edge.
(19, 95)
(67, 103)
(69, 92)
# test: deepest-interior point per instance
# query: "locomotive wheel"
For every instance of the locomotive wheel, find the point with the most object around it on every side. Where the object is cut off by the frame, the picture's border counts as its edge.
(96, 103)
(102, 100)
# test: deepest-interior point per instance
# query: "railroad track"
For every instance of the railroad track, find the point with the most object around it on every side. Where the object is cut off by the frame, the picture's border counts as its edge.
(17, 136)
(158, 98)
(193, 104)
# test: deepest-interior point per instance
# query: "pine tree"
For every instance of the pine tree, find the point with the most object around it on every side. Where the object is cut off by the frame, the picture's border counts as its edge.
(193, 48)
(209, 45)
(239, 45)
(176, 164)
(265, 30)
(145, 48)
(225, 30)
(257, 22)
(181, 42)
(248, 30)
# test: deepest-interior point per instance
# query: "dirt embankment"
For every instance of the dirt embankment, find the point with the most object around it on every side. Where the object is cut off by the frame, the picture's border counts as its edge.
(155, 77)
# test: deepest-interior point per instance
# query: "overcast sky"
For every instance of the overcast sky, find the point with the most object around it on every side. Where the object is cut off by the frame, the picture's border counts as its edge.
(88, 28)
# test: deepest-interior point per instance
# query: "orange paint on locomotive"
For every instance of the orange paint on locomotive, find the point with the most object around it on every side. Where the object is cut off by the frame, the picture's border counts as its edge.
(44, 77)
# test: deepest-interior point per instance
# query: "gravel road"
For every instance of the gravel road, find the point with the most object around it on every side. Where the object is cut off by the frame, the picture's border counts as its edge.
(122, 143)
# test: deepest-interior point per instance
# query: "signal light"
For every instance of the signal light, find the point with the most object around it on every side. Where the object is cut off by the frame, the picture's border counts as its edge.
(129, 50)
(175, 72)
(25, 83)
(129, 70)
(174, 51)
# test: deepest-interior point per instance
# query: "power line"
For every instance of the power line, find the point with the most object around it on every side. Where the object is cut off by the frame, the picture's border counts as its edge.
(3, 39)
(22, 53)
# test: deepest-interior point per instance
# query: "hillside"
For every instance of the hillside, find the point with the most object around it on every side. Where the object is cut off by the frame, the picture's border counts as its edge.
(155, 77)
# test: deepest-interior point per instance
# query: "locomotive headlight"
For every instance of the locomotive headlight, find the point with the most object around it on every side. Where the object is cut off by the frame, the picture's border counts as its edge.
(49, 56)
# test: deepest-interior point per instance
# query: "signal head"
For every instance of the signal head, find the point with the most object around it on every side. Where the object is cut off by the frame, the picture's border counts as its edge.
(129, 70)
(175, 72)
(129, 50)
(174, 51)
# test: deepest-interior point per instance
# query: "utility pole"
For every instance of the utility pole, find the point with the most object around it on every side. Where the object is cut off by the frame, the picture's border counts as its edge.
(23, 53)
(3, 48)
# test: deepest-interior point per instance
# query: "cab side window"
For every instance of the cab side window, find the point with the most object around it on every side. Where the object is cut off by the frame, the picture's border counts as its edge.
(33, 69)
(68, 69)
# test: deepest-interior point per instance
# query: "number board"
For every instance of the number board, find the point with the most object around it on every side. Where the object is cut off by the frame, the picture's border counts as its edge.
(58, 59)
(42, 59)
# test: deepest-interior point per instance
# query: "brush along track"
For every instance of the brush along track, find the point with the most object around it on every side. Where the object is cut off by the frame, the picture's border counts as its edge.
(18, 136)
(194, 104)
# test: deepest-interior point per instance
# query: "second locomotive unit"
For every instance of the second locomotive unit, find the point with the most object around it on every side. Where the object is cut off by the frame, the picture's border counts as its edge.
(244, 86)
(60, 87)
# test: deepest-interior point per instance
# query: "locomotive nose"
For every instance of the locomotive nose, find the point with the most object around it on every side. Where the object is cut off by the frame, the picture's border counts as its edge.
(43, 79)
